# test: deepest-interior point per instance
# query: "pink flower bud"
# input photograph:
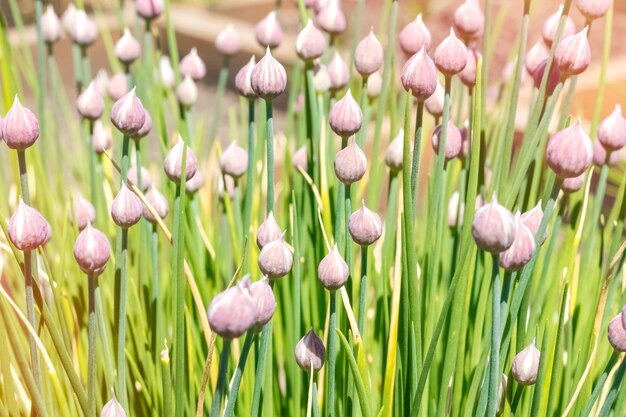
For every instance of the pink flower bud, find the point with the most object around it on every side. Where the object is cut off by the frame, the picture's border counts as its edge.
(243, 81)
(365, 226)
(522, 249)
(101, 81)
(532, 220)
(146, 178)
(50, 25)
(173, 164)
(338, 72)
(92, 250)
(593, 9)
(158, 202)
(268, 77)
(350, 164)
(394, 156)
(102, 137)
(454, 142)
(434, 103)
(232, 312)
(1, 128)
(537, 54)
(275, 259)
(369, 55)
(468, 75)
(268, 32)
(227, 41)
(551, 25)
(28, 229)
(451, 55)
(617, 334)
(145, 128)
(456, 209)
(192, 65)
(331, 18)
(118, 86)
(234, 160)
(196, 183)
(420, 75)
(600, 155)
(299, 158)
(333, 271)
(569, 152)
(20, 128)
(346, 116)
(187, 92)
(126, 208)
(263, 297)
(84, 31)
(82, 210)
(310, 352)
(113, 409)
(68, 19)
(572, 184)
(493, 228)
(90, 103)
(612, 130)
(414, 36)
(310, 43)
(469, 20)
(321, 80)
(149, 9)
(128, 114)
(127, 48)
(525, 365)
(623, 316)
(554, 78)
(374, 85)
(166, 71)
(268, 231)
(572, 54)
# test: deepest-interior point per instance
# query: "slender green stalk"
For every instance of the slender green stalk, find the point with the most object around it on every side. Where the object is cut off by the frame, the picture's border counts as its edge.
(310, 398)
(417, 143)
(219, 96)
(360, 135)
(332, 355)
(154, 290)
(234, 387)
(269, 137)
(259, 376)
(363, 290)
(41, 75)
(92, 166)
(216, 403)
(247, 201)
(494, 358)
(166, 383)
(91, 357)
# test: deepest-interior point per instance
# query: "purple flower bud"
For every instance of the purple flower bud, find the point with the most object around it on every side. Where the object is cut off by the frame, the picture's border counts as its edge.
(414, 36)
(166, 72)
(102, 137)
(90, 103)
(227, 41)
(187, 92)
(310, 43)
(243, 81)
(350, 164)
(593, 9)
(493, 228)
(551, 25)
(572, 184)
(468, 75)
(84, 31)
(158, 202)
(92, 250)
(365, 226)
(346, 116)
(537, 54)
(310, 352)
(82, 210)
(128, 114)
(145, 128)
(522, 249)
(263, 297)
(569, 152)
(321, 80)
(394, 156)
(127, 48)
(268, 231)
(20, 128)
(28, 229)
(196, 183)
(369, 55)
(268, 77)
(469, 20)
(68, 19)
(299, 158)
(532, 220)
(612, 130)
(225, 183)
(420, 75)
(525, 365)
(338, 72)
(149, 9)
(331, 18)
(192, 65)
(50, 25)
(572, 54)
(275, 259)
(600, 155)
(454, 142)
(234, 160)
(232, 312)
(333, 271)
(554, 78)
(434, 103)
(173, 164)
(113, 409)
(126, 208)
(146, 178)
(268, 32)
(451, 55)
(617, 334)
(118, 86)
(1, 128)
(374, 85)
(623, 316)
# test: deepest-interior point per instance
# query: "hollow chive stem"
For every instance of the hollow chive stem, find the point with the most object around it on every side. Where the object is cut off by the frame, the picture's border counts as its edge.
(494, 361)
(154, 296)
(310, 398)
(259, 376)
(166, 383)
(269, 136)
(417, 146)
(216, 402)
(92, 167)
(360, 136)
(313, 123)
(363, 289)
(247, 203)
(91, 356)
(332, 355)
(217, 110)
(234, 387)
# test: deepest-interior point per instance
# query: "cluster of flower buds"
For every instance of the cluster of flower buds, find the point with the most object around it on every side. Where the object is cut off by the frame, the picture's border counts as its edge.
(275, 259)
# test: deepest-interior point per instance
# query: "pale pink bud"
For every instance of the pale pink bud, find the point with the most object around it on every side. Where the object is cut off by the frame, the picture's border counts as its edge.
(504, 382)
(166, 71)
(145, 128)
(243, 81)
(493, 228)
(369, 55)
(434, 103)
(227, 41)
(128, 114)
(454, 142)
(187, 92)
(263, 297)
(92, 250)
(126, 208)
(195, 183)
(173, 164)
(310, 352)
(451, 55)
(268, 32)
(118, 86)
(232, 312)
(456, 209)
(572, 184)
(532, 220)
(299, 158)
(572, 54)
(28, 229)
(102, 81)
(394, 156)
(346, 116)
(20, 128)
(113, 409)
(525, 365)
(146, 178)
(600, 154)
(570, 151)
(310, 43)
(333, 271)
(127, 48)
(374, 85)
(617, 334)
(50, 25)
(68, 18)
(593, 9)
(102, 137)
(234, 160)
(612, 130)
(268, 78)
(469, 20)
(551, 25)
(192, 65)
(365, 226)
(90, 103)
(414, 36)
(623, 316)
(420, 75)
(84, 31)
(554, 78)
(82, 210)
(522, 249)
(338, 72)
(268, 231)
(468, 75)
(350, 163)
(331, 18)
(158, 202)
(149, 9)
(321, 80)
(275, 259)
(537, 54)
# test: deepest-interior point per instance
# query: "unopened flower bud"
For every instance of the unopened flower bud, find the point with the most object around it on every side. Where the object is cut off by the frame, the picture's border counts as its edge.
(243, 82)
(92, 250)
(525, 365)
(128, 114)
(173, 164)
(310, 43)
(554, 78)
(187, 92)
(365, 226)
(537, 54)
(196, 182)
(90, 104)
(127, 48)
(126, 208)
(420, 75)
(20, 128)
(102, 137)
(275, 259)
(68, 18)
(268, 78)
(268, 32)
(572, 184)
(493, 227)
(149, 9)
(346, 116)
(551, 26)
(593, 9)
(451, 55)
(434, 103)
(82, 210)
(234, 160)
(333, 271)
(612, 130)
(227, 41)
(623, 316)
(468, 75)
(338, 72)
(232, 312)
(158, 202)
(118, 86)
(532, 220)
(331, 18)
(84, 31)
(350, 164)
(600, 155)
(263, 297)
(522, 249)
(192, 65)
(570, 151)
(310, 352)
(27, 228)
(414, 36)
(112, 409)
(617, 334)
(572, 54)
(50, 25)
(369, 55)
(299, 158)
(166, 71)
(469, 20)
(268, 231)
(146, 178)
(374, 85)
(321, 80)
(454, 141)
(394, 156)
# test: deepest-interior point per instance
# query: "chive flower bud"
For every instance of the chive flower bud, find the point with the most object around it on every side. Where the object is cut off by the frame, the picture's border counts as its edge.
(275, 259)
(268, 78)
(192, 65)
(365, 226)
(268, 32)
(50, 25)
(394, 156)
(350, 164)
(369, 55)
(227, 41)
(187, 92)
(102, 137)
(522, 249)
(374, 85)
(263, 297)
(346, 116)
(468, 75)
(127, 48)
(27, 228)
(310, 43)
(454, 141)
(420, 75)
(299, 158)
(414, 36)
(82, 210)
(92, 250)
(617, 334)
(451, 55)
(572, 54)
(593, 9)
(158, 202)
(90, 104)
(551, 25)
(112, 409)
(128, 114)
(331, 18)
(20, 127)
(149, 9)
(196, 183)
(243, 83)
(146, 178)
(493, 227)
(126, 208)
(321, 80)
(434, 103)
(166, 72)
(68, 18)
(570, 151)
(173, 164)
(232, 312)
(333, 271)
(310, 352)
(553, 78)
(469, 20)
(525, 365)
(268, 231)
(84, 31)
(537, 54)
(338, 72)
(612, 130)
(532, 220)
(572, 184)
(600, 155)
(118, 86)
(234, 160)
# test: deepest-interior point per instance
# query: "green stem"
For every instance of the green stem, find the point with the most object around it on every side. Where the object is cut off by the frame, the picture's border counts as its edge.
(221, 380)
(234, 387)
(91, 357)
(417, 142)
(270, 154)
(166, 382)
(494, 365)
(332, 355)
(363, 290)
(217, 110)
(247, 204)
(259, 376)
(92, 166)
(154, 297)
